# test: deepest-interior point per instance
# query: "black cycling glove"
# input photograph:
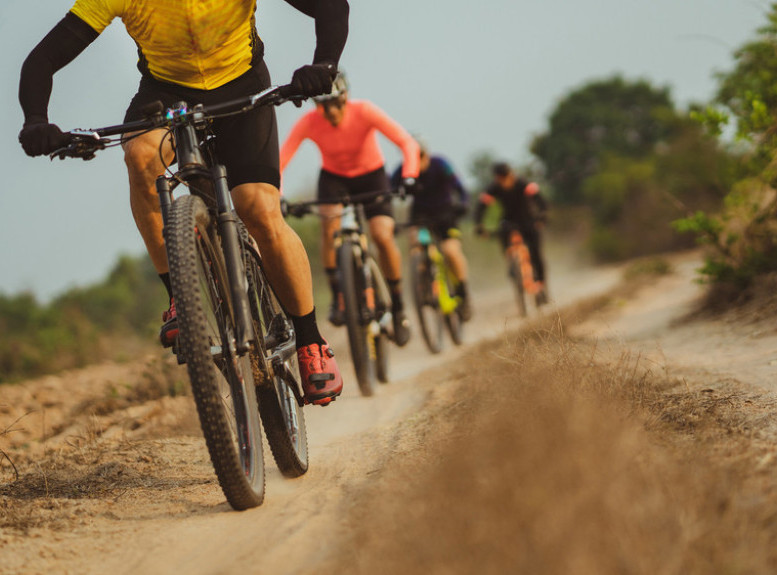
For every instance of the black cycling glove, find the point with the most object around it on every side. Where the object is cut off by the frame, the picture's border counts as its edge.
(409, 186)
(39, 138)
(314, 79)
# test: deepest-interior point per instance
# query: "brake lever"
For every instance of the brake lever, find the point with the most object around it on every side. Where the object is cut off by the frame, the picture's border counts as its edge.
(80, 148)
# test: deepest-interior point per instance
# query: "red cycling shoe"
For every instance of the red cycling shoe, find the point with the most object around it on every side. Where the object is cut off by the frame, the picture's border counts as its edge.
(321, 380)
(169, 331)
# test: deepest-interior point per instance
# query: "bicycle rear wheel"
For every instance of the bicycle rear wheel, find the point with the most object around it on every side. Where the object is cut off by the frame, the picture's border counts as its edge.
(276, 372)
(426, 302)
(351, 280)
(222, 382)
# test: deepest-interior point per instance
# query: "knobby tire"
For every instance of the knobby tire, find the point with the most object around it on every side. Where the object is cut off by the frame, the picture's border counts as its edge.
(281, 412)
(351, 280)
(430, 317)
(381, 338)
(222, 383)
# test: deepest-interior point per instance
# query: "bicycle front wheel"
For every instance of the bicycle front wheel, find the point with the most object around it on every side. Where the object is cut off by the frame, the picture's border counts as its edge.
(380, 338)
(351, 284)
(453, 319)
(516, 275)
(222, 382)
(276, 372)
(426, 301)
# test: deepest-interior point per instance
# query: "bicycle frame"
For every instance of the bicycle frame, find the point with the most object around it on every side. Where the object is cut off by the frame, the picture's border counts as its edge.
(352, 224)
(448, 302)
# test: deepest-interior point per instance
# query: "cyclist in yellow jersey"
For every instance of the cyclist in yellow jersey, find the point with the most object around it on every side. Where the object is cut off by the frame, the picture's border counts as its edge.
(204, 52)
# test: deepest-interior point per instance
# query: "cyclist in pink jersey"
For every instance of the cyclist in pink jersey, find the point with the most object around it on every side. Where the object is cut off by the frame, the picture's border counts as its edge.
(345, 132)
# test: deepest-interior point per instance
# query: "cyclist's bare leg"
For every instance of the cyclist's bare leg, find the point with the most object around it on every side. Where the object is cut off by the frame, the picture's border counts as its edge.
(141, 155)
(285, 259)
(330, 223)
(451, 249)
(382, 233)
(288, 270)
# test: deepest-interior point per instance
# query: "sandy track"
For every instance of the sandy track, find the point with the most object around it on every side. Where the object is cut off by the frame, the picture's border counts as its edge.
(160, 509)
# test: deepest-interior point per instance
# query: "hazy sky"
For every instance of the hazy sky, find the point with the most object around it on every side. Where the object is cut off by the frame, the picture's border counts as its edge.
(466, 75)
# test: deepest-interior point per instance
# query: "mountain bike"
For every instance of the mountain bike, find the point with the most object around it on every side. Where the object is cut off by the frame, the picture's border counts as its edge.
(434, 289)
(235, 338)
(365, 291)
(521, 272)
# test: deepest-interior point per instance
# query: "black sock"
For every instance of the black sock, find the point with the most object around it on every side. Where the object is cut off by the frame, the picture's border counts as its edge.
(461, 289)
(165, 277)
(395, 286)
(307, 329)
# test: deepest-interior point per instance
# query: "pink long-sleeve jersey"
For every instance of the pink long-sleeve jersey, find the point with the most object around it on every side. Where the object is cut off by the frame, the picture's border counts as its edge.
(351, 148)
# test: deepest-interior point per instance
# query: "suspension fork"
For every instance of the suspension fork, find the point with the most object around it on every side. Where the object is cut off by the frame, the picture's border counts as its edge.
(190, 159)
(227, 222)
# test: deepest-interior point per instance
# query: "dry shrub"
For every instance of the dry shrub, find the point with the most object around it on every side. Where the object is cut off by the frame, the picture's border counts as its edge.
(562, 460)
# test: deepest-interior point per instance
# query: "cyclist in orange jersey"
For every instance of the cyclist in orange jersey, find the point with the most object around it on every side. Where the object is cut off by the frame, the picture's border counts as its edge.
(204, 53)
(345, 132)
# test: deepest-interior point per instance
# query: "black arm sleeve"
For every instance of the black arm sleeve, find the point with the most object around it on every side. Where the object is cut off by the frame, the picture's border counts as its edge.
(331, 18)
(60, 46)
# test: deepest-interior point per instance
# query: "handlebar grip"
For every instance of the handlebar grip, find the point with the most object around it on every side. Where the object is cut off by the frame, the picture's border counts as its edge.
(291, 94)
(288, 91)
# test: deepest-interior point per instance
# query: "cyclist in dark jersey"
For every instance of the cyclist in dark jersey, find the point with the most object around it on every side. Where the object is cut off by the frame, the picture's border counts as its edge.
(439, 201)
(523, 208)
(204, 53)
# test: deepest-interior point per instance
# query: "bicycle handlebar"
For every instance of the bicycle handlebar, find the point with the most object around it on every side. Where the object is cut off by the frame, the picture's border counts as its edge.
(300, 209)
(85, 143)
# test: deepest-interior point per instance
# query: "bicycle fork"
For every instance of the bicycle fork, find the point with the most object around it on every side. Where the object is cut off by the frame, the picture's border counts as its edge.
(226, 222)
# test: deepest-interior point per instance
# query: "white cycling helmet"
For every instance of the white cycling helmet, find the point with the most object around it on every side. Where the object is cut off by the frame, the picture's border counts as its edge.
(339, 88)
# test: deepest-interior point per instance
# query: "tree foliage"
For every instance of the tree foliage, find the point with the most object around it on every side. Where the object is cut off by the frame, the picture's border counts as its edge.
(602, 118)
(742, 238)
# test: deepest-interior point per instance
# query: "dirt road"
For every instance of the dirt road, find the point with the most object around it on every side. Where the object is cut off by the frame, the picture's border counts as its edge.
(114, 478)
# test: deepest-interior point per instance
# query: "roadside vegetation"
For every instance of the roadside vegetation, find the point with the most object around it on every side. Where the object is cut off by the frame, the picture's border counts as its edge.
(637, 162)
(741, 237)
(82, 326)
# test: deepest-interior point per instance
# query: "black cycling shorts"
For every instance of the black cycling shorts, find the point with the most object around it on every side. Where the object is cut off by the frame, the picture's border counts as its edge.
(334, 187)
(442, 227)
(247, 144)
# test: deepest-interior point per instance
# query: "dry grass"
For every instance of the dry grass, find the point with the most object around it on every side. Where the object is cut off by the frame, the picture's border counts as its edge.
(108, 447)
(559, 458)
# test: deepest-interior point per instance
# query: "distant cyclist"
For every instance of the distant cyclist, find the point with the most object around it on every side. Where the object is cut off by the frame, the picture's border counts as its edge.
(204, 53)
(523, 208)
(345, 132)
(439, 201)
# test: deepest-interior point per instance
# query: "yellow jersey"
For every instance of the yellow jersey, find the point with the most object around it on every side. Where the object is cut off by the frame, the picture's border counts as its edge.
(195, 43)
